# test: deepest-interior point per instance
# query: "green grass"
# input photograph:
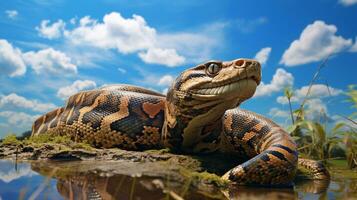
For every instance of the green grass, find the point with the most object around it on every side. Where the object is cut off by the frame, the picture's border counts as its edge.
(47, 138)
(10, 139)
(314, 139)
(204, 177)
(65, 143)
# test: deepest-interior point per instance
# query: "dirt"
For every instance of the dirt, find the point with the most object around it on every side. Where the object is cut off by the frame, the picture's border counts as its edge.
(168, 170)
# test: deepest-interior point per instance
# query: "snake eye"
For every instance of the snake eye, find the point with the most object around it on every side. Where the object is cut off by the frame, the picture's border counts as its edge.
(213, 68)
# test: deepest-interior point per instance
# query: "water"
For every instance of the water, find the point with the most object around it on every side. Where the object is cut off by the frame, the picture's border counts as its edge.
(72, 180)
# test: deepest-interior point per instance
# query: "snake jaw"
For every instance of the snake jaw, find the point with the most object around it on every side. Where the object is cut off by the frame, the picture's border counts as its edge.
(233, 83)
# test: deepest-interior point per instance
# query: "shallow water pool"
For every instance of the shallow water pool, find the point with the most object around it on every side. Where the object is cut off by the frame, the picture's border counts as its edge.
(68, 180)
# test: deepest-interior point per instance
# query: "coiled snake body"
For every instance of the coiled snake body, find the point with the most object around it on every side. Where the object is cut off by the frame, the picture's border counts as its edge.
(199, 114)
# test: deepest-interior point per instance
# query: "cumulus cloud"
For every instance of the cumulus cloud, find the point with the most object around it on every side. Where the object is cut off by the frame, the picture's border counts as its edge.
(76, 86)
(134, 35)
(315, 108)
(281, 79)
(12, 14)
(263, 55)
(50, 61)
(9, 174)
(18, 119)
(16, 101)
(276, 112)
(197, 45)
(11, 62)
(167, 57)
(354, 46)
(317, 41)
(51, 31)
(166, 80)
(316, 91)
(347, 2)
(127, 35)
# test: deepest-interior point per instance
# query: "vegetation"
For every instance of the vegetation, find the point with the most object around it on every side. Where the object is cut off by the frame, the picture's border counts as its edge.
(316, 139)
(10, 139)
(41, 139)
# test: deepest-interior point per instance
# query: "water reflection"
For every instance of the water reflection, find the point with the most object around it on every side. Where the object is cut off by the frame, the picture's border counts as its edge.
(74, 181)
(19, 181)
(114, 187)
(80, 180)
(11, 172)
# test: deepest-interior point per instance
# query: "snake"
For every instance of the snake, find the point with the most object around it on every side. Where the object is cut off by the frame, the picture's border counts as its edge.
(200, 114)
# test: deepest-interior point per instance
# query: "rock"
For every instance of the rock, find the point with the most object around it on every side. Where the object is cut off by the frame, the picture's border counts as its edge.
(27, 149)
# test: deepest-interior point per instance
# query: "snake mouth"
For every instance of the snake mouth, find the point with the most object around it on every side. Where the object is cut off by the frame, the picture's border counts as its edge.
(238, 87)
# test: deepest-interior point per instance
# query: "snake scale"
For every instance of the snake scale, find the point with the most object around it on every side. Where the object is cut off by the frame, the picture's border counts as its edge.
(199, 114)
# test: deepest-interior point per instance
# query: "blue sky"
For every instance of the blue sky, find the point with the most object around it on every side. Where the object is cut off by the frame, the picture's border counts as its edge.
(52, 49)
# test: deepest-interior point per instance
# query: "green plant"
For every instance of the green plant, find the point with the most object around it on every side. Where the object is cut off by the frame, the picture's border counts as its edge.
(48, 138)
(10, 139)
(314, 138)
(316, 141)
(349, 130)
(288, 92)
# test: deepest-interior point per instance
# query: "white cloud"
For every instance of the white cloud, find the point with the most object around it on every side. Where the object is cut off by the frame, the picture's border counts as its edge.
(87, 21)
(281, 79)
(354, 46)
(347, 2)
(197, 45)
(263, 55)
(166, 80)
(8, 173)
(73, 20)
(276, 112)
(11, 62)
(12, 14)
(316, 109)
(18, 119)
(316, 91)
(167, 57)
(126, 35)
(51, 31)
(14, 63)
(316, 42)
(76, 86)
(49, 61)
(16, 101)
(134, 35)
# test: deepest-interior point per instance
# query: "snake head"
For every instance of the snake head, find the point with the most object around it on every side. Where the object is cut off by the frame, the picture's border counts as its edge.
(216, 81)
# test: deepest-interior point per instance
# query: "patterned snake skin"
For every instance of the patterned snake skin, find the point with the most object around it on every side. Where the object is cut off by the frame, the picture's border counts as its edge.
(198, 115)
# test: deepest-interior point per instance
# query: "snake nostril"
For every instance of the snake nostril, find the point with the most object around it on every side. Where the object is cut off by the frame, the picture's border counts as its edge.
(239, 63)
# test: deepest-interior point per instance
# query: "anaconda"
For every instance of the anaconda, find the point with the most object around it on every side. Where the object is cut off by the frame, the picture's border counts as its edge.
(199, 114)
